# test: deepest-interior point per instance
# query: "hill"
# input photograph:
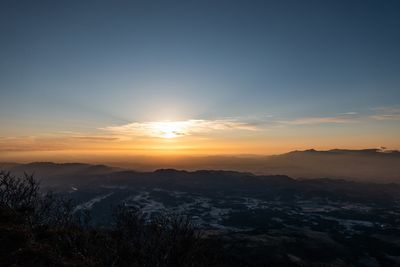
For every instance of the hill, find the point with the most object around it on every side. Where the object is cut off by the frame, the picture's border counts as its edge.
(373, 165)
(259, 220)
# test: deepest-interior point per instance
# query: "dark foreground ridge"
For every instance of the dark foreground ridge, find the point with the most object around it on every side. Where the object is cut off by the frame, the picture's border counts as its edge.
(196, 218)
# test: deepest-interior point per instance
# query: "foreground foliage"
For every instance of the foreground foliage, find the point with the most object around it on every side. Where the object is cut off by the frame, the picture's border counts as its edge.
(42, 230)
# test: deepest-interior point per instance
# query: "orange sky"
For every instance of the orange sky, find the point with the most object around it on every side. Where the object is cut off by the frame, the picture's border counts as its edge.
(201, 137)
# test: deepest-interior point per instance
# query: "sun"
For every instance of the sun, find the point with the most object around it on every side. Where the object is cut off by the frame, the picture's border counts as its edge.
(169, 129)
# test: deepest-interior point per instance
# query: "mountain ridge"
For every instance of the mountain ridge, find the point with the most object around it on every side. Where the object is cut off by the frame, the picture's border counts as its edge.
(365, 165)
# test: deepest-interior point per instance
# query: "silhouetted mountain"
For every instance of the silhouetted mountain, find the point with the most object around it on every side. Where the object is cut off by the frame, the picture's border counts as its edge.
(373, 165)
(364, 152)
(361, 165)
(57, 173)
(271, 220)
(59, 169)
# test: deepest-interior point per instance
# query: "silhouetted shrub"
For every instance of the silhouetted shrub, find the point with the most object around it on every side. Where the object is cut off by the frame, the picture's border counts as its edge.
(42, 230)
(19, 194)
(169, 240)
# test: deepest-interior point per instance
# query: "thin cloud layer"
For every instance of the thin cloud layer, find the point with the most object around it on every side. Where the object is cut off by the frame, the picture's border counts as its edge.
(147, 136)
(344, 118)
(387, 113)
(172, 129)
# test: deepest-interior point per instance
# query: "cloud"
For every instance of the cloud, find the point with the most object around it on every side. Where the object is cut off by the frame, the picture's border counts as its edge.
(52, 142)
(95, 138)
(349, 113)
(343, 118)
(28, 143)
(172, 129)
(79, 136)
(381, 113)
(387, 113)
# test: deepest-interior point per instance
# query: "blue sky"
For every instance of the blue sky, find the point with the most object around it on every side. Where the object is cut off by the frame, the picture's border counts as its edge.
(83, 65)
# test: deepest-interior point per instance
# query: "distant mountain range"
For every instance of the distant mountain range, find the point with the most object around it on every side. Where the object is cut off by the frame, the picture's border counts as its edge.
(371, 165)
(258, 218)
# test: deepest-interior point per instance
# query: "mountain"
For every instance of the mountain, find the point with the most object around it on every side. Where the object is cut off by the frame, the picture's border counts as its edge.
(360, 165)
(260, 219)
(373, 165)
(368, 165)
(53, 174)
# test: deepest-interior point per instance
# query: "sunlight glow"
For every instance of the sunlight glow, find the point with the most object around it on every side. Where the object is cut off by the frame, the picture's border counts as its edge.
(174, 129)
(170, 129)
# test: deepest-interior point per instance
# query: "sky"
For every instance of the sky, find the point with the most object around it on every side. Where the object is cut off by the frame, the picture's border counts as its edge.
(197, 77)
